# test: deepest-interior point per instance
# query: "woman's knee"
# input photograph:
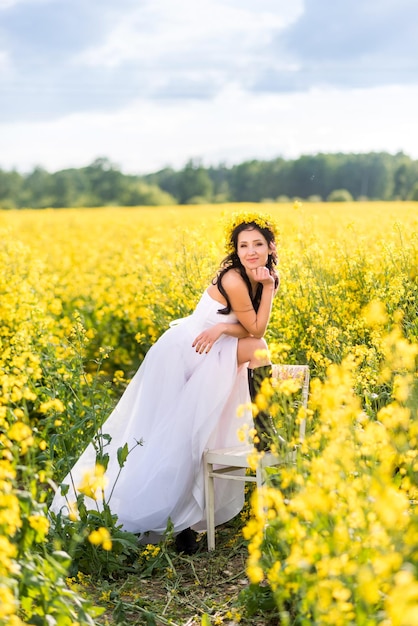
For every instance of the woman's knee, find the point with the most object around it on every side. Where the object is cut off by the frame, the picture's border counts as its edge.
(254, 351)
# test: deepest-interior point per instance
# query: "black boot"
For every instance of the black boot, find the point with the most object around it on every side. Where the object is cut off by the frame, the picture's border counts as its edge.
(186, 541)
(263, 422)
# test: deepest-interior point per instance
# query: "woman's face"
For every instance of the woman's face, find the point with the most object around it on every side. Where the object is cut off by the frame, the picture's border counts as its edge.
(252, 249)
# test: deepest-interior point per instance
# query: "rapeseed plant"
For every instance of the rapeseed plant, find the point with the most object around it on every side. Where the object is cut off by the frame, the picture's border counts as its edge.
(335, 536)
(84, 294)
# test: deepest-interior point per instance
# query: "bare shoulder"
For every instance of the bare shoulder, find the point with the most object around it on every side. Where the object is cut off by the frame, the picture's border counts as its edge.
(237, 290)
(233, 280)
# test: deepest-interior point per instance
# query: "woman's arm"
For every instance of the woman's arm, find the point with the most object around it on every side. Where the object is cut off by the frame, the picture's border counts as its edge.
(207, 338)
(255, 323)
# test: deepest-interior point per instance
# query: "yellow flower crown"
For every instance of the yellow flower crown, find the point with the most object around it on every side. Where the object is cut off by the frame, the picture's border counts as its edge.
(261, 220)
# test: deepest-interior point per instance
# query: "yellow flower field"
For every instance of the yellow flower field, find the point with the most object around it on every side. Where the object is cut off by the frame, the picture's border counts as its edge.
(84, 294)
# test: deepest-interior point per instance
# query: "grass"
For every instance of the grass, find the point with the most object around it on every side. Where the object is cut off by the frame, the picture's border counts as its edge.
(206, 588)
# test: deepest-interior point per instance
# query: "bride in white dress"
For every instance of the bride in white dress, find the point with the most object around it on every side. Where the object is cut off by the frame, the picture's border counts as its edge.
(184, 399)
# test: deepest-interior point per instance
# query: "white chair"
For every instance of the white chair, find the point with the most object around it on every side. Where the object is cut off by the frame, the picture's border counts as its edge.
(223, 463)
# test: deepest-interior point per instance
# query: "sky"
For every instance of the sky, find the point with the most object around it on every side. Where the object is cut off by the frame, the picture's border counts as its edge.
(154, 83)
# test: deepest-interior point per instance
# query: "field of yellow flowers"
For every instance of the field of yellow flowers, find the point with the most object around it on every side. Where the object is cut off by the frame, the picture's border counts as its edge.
(85, 293)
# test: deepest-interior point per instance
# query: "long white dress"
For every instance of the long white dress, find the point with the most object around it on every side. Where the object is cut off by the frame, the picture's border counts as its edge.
(178, 403)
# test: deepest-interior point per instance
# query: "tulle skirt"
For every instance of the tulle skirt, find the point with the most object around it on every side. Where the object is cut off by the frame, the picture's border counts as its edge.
(178, 404)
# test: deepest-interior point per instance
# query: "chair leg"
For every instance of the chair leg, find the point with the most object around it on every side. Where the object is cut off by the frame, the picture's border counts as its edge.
(210, 505)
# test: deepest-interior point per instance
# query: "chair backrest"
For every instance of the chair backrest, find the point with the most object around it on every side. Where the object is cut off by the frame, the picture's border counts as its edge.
(300, 372)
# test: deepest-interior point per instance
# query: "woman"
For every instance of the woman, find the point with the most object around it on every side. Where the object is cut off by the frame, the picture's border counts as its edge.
(184, 399)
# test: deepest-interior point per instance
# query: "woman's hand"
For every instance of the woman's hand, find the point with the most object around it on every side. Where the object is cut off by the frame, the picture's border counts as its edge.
(262, 275)
(207, 338)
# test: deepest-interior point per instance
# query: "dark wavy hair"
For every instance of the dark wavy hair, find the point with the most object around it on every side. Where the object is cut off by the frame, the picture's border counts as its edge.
(232, 262)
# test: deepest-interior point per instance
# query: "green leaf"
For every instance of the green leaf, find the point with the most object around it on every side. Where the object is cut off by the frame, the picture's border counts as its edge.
(64, 489)
(123, 455)
(150, 619)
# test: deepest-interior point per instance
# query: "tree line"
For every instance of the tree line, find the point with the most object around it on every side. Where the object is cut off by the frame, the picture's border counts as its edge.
(320, 177)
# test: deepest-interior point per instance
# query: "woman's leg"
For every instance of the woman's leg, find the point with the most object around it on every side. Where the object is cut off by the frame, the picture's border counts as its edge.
(253, 351)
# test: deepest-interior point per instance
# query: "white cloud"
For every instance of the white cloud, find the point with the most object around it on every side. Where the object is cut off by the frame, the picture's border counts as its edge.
(5, 62)
(7, 4)
(235, 126)
(154, 82)
(82, 57)
(348, 44)
(164, 32)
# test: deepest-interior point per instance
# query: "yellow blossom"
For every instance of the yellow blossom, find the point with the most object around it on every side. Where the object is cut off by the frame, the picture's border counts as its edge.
(101, 537)
(375, 313)
(402, 387)
(10, 512)
(8, 604)
(72, 511)
(402, 600)
(255, 574)
(21, 433)
(54, 405)
(336, 536)
(39, 523)
(93, 481)
(7, 554)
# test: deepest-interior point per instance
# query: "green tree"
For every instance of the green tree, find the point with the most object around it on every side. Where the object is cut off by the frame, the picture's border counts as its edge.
(405, 176)
(367, 175)
(219, 178)
(245, 182)
(106, 182)
(275, 178)
(167, 179)
(194, 182)
(139, 193)
(414, 193)
(340, 195)
(374, 175)
(10, 186)
(64, 189)
(311, 175)
(36, 191)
